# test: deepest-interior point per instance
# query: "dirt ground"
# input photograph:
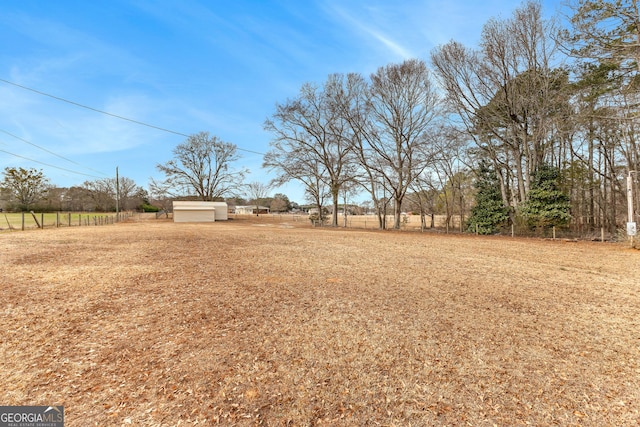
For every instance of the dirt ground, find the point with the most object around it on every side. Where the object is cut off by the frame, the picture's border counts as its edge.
(250, 322)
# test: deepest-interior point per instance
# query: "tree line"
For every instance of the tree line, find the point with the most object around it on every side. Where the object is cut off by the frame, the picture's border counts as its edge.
(23, 189)
(535, 125)
(29, 189)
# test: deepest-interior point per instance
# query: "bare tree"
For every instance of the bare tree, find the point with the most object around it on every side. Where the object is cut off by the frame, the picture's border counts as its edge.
(102, 193)
(444, 180)
(129, 193)
(280, 203)
(389, 120)
(77, 199)
(257, 192)
(202, 167)
(403, 108)
(311, 143)
(423, 198)
(162, 194)
(300, 166)
(354, 106)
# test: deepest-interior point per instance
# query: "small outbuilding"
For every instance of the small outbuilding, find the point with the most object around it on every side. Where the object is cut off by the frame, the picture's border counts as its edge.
(197, 211)
(251, 210)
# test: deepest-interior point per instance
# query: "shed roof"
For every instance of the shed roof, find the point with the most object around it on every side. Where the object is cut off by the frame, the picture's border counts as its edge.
(195, 205)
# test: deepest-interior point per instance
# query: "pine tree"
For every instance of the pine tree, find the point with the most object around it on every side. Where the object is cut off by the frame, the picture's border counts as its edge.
(546, 205)
(607, 31)
(489, 212)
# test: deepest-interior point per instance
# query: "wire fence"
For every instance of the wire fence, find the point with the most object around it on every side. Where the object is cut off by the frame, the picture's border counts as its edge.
(440, 224)
(20, 221)
(412, 223)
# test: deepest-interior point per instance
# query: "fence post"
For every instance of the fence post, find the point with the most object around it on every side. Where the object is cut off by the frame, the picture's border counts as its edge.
(35, 218)
(22, 220)
(57, 219)
(554, 232)
(513, 231)
(602, 234)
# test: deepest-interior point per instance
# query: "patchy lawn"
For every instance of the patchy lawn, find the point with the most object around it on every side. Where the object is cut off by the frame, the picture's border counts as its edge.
(251, 322)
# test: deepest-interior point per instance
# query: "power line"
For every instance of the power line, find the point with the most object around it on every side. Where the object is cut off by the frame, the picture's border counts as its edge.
(51, 152)
(92, 109)
(47, 164)
(111, 114)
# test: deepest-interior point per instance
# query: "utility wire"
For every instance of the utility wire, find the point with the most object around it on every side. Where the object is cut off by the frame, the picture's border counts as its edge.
(110, 114)
(92, 109)
(52, 166)
(51, 152)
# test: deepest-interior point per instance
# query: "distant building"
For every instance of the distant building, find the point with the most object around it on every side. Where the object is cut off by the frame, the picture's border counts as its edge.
(251, 210)
(197, 211)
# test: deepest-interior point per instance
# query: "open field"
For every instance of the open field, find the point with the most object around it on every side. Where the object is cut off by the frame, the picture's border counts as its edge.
(249, 323)
(26, 220)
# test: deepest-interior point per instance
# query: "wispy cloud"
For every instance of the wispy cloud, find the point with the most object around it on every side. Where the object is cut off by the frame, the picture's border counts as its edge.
(365, 26)
(192, 66)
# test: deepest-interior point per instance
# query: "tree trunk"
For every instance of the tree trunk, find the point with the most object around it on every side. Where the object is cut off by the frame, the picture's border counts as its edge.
(591, 214)
(397, 213)
(520, 177)
(334, 215)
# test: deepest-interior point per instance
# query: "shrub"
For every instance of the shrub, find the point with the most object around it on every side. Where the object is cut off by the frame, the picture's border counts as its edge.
(546, 205)
(489, 212)
(149, 208)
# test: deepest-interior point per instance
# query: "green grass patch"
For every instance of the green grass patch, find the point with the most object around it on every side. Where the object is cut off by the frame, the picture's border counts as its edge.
(19, 220)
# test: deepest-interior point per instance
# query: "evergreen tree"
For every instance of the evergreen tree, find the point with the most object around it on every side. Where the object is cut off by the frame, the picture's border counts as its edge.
(489, 212)
(546, 205)
(607, 31)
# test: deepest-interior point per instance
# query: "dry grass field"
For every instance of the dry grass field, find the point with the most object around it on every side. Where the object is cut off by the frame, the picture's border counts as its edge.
(250, 322)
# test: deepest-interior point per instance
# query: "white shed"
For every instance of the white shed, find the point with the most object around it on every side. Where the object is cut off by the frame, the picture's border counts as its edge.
(196, 211)
(251, 210)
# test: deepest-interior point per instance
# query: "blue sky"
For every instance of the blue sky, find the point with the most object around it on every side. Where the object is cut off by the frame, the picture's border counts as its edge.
(191, 66)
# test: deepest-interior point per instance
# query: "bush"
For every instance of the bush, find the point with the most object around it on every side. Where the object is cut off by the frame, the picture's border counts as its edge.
(317, 218)
(489, 212)
(546, 205)
(149, 208)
